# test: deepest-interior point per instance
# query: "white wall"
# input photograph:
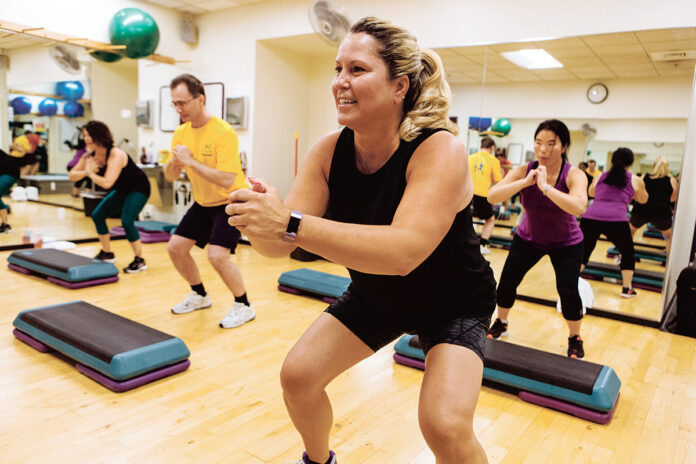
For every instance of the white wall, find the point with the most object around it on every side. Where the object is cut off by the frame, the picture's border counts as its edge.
(31, 66)
(114, 89)
(655, 98)
(282, 111)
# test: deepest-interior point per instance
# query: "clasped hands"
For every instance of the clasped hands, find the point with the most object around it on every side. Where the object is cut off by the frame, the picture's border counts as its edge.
(537, 176)
(258, 212)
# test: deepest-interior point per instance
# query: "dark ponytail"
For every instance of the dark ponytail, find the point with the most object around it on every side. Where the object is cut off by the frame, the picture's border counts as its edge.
(621, 160)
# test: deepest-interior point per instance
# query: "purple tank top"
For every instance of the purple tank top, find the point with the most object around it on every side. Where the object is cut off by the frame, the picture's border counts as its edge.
(611, 202)
(545, 225)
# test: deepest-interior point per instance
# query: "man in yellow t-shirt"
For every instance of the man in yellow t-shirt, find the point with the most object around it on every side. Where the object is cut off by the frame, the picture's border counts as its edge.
(208, 149)
(485, 171)
(592, 168)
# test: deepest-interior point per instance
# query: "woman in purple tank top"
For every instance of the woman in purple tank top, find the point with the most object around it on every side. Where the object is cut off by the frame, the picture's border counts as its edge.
(613, 191)
(553, 194)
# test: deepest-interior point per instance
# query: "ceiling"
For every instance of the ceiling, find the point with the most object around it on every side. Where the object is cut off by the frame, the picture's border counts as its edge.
(203, 6)
(591, 57)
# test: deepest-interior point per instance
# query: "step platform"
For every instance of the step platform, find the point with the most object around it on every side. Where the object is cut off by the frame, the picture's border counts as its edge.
(581, 388)
(62, 268)
(150, 231)
(116, 352)
(642, 255)
(327, 287)
(648, 280)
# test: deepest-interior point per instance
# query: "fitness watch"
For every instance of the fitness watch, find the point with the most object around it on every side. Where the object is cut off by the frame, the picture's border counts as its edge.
(293, 225)
(546, 189)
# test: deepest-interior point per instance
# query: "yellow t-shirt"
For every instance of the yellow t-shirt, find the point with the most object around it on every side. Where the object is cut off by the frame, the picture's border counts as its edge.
(485, 168)
(216, 145)
(24, 143)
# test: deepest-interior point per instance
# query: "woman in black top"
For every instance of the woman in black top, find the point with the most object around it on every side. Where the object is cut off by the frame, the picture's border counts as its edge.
(112, 169)
(397, 185)
(662, 188)
(9, 173)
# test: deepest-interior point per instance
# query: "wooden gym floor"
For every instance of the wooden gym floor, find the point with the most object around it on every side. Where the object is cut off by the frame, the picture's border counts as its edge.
(228, 406)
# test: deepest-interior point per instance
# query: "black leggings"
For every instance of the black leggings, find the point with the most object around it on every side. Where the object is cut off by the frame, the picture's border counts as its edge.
(618, 233)
(566, 264)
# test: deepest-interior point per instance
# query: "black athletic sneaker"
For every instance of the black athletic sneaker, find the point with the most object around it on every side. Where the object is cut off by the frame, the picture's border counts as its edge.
(5, 228)
(575, 349)
(628, 292)
(107, 256)
(497, 329)
(137, 265)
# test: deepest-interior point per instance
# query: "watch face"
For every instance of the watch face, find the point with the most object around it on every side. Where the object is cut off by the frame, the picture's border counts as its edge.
(597, 93)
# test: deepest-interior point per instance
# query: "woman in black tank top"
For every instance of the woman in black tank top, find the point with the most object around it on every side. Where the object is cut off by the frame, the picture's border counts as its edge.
(662, 191)
(113, 170)
(396, 184)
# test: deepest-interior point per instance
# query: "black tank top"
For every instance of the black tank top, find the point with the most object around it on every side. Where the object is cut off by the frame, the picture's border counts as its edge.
(9, 165)
(131, 178)
(659, 193)
(453, 281)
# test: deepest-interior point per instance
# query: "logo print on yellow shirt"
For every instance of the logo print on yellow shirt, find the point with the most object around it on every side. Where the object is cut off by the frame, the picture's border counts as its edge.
(207, 150)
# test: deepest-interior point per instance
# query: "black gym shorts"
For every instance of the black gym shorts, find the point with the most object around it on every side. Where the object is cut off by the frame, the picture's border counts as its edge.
(661, 223)
(208, 224)
(481, 208)
(359, 318)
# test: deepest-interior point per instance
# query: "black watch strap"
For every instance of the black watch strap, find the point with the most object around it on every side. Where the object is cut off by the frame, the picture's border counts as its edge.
(293, 226)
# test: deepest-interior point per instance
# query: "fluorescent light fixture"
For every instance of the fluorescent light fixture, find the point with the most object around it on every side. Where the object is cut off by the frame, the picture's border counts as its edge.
(532, 58)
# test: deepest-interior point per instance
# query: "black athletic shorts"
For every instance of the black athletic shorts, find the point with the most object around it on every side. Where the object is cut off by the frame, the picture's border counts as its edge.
(661, 223)
(208, 224)
(481, 208)
(359, 318)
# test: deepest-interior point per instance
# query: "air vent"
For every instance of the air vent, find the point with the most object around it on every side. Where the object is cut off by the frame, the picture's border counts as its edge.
(679, 55)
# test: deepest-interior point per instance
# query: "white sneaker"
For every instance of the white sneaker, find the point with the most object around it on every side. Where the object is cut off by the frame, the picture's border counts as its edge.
(192, 302)
(240, 314)
(485, 250)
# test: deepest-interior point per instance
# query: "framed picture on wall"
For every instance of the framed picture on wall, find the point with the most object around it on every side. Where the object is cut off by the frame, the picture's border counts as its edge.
(236, 112)
(515, 153)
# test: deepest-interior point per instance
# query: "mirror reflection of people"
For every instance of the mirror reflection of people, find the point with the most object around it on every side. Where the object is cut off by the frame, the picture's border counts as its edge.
(613, 191)
(112, 169)
(662, 189)
(30, 162)
(583, 167)
(592, 168)
(208, 148)
(485, 171)
(9, 174)
(80, 151)
(553, 193)
(397, 184)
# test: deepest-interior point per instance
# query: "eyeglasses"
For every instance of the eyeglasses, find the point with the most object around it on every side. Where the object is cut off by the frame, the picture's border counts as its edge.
(181, 104)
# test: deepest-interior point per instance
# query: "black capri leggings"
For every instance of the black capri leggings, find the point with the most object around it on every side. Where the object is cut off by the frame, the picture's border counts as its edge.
(618, 233)
(566, 264)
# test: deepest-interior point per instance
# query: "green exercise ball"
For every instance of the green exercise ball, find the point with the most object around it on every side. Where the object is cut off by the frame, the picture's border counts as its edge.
(135, 29)
(106, 57)
(502, 126)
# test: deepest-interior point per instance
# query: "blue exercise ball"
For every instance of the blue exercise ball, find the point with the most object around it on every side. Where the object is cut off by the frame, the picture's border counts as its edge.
(135, 29)
(70, 90)
(21, 105)
(73, 109)
(48, 107)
